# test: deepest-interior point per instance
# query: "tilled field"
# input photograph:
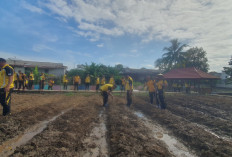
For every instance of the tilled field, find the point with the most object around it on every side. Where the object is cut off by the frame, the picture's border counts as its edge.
(78, 125)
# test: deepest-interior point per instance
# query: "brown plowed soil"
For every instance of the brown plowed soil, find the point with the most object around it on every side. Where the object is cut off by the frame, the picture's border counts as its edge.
(179, 124)
(187, 118)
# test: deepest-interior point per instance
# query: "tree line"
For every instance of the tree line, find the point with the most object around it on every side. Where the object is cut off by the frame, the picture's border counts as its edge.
(178, 56)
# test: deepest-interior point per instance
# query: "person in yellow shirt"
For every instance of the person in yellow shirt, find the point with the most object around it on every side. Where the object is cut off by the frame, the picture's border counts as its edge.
(21, 79)
(65, 82)
(76, 82)
(26, 83)
(97, 83)
(106, 91)
(112, 80)
(42, 81)
(50, 84)
(150, 84)
(15, 80)
(6, 86)
(161, 85)
(103, 80)
(174, 86)
(129, 90)
(31, 80)
(123, 82)
(87, 82)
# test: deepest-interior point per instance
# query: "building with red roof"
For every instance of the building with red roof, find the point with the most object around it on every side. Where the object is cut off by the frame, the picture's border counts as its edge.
(188, 74)
(192, 77)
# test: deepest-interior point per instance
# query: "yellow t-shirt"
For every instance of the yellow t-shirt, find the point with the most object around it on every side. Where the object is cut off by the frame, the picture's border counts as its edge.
(111, 80)
(5, 73)
(174, 85)
(15, 76)
(31, 77)
(129, 83)
(123, 81)
(51, 82)
(151, 86)
(21, 77)
(65, 80)
(106, 87)
(42, 78)
(161, 84)
(98, 80)
(87, 79)
(103, 81)
(76, 79)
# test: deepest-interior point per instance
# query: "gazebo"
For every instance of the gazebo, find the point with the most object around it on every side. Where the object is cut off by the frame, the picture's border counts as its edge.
(201, 81)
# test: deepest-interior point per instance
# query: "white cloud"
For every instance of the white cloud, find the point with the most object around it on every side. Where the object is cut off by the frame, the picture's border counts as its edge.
(41, 48)
(134, 51)
(31, 8)
(100, 45)
(205, 23)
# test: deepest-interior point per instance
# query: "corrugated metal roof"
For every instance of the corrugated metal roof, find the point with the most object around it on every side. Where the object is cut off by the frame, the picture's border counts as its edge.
(188, 73)
(22, 63)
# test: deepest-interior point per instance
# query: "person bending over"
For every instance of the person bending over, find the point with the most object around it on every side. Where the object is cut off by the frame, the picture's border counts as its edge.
(106, 91)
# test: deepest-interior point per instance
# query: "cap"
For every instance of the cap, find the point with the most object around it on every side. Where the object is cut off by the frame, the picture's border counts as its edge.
(2, 60)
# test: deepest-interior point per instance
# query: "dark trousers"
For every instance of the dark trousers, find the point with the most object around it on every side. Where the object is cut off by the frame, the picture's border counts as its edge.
(152, 95)
(105, 98)
(162, 102)
(129, 98)
(65, 86)
(76, 84)
(41, 84)
(49, 87)
(16, 84)
(21, 84)
(5, 100)
(187, 90)
(86, 86)
(122, 88)
(97, 87)
(31, 84)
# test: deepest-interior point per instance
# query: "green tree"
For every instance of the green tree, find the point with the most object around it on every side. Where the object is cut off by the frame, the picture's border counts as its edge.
(36, 75)
(96, 70)
(196, 57)
(228, 71)
(173, 55)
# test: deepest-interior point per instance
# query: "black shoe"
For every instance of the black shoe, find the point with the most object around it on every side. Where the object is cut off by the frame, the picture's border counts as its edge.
(7, 114)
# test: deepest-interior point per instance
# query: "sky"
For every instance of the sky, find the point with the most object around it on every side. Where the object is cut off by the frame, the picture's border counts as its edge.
(128, 32)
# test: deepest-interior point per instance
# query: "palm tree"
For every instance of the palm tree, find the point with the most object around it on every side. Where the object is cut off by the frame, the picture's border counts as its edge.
(174, 54)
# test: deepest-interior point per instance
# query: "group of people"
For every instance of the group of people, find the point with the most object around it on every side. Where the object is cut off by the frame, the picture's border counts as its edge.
(178, 86)
(156, 88)
(9, 79)
(22, 81)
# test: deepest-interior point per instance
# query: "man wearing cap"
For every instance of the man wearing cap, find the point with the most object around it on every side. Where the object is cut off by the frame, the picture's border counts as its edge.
(129, 90)
(161, 85)
(106, 91)
(6, 85)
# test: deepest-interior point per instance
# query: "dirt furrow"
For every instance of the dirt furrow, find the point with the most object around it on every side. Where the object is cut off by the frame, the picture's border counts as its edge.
(204, 143)
(17, 123)
(220, 126)
(128, 136)
(216, 102)
(64, 136)
(200, 107)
